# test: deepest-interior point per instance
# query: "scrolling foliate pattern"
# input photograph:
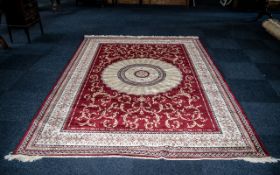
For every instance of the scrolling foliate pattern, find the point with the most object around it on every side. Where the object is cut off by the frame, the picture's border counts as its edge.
(101, 108)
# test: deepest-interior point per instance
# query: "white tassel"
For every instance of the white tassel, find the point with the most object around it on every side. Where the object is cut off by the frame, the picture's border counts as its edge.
(22, 158)
(140, 37)
(25, 158)
(262, 160)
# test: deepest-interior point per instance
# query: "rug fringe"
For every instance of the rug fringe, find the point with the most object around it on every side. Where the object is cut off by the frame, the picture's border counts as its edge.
(262, 160)
(139, 37)
(22, 158)
(26, 158)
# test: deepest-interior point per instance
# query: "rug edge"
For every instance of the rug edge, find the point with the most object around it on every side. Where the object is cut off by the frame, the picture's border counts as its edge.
(35, 116)
(218, 73)
(33, 158)
(141, 36)
(27, 158)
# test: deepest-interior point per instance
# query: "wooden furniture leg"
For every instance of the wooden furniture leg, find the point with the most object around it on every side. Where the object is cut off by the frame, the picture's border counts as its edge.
(56, 3)
(10, 34)
(26, 30)
(264, 10)
(22, 15)
(3, 43)
(41, 27)
(187, 3)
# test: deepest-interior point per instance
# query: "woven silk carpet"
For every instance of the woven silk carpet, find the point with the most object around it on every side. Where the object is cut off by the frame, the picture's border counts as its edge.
(145, 97)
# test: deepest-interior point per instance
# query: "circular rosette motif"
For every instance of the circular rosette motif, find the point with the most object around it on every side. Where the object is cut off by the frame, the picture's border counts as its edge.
(141, 76)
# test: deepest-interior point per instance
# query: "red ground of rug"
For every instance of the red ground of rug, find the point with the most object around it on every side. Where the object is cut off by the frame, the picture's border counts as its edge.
(100, 107)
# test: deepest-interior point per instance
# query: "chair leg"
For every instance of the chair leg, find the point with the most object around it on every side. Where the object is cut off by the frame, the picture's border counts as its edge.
(187, 3)
(194, 4)
(41, 27)
(26, 30)
(10, 34)
(265, 11)
(3, 43)
(102, 3)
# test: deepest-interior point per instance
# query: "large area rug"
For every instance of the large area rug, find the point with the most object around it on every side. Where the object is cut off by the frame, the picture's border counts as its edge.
(141, 97)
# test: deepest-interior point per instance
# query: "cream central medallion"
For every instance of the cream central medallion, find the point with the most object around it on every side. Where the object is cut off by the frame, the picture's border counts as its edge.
(141, 76)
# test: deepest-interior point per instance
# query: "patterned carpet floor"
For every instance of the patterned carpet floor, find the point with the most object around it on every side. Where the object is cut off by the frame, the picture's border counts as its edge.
(245, 54)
